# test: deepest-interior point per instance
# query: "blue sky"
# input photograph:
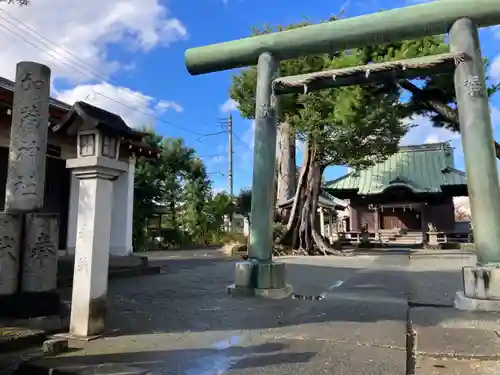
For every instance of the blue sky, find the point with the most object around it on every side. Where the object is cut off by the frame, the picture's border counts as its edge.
(128, 56)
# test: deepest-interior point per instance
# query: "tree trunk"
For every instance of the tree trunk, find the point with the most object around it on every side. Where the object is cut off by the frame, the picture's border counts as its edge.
(286, 164)
(301, 228)
(443, 109)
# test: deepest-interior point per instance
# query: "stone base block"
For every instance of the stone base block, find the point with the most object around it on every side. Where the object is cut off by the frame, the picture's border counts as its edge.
(462, 302)
(482, 283)
(40, 252)
(73, 337)
(54, 346)
(262, 279)
(10, 252)
(236, 291)
(275, 293)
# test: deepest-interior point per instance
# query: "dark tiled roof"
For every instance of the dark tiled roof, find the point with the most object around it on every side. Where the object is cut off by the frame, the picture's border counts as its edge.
(9, 85)
(325, 200)
(94, 117)
(422, 168)
(135, 137)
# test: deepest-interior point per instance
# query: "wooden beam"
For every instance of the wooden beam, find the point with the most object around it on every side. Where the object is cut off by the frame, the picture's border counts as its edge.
(411, 22)
(365, 74)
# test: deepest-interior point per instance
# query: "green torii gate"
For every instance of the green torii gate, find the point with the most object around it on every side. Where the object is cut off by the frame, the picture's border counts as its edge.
(459, 18)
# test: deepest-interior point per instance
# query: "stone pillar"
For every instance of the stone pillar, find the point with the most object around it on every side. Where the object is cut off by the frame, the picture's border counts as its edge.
(40, 248)
(267, 277)
(28, 138)
(480, 162)
(36, 252)
(123, 212)
(10, 244)
(322, 222)
(264, 165)
(90, 278)
(246, 227)
(72, 215)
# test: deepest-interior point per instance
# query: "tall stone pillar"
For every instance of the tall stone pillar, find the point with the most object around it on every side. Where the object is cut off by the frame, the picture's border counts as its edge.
(322, 222)
(33, 251)
(260, 276)
(90, 278)
(72, 215)
(123, 212)
(28, 138)
(481, 283)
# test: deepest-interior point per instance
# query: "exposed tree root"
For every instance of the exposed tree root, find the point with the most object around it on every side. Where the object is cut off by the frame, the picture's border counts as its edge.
(301, 225)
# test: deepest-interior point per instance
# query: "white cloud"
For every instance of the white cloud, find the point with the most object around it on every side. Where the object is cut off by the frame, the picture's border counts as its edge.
(85, 29)
(229, 106)
(135, 108)
(432, 138)
(424, 132)
(165, 105)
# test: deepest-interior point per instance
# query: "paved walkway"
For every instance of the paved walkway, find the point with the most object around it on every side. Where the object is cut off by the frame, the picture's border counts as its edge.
(183, 322)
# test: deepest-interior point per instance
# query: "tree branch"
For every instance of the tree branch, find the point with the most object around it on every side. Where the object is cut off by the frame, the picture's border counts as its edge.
(443, 109)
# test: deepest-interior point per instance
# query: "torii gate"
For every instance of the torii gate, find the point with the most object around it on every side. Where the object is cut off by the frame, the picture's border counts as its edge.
(459, 18)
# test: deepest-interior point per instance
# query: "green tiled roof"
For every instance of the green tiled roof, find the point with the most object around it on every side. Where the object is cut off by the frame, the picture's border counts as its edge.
(422, 168)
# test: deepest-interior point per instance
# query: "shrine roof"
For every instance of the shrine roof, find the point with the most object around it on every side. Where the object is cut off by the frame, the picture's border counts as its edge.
(421, 168)
(59, 110)
(325, 200)
(8, 86)
(94, 117)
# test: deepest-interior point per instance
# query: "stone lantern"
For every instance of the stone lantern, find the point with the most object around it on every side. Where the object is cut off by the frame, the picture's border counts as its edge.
(98, 134)
(97, 143)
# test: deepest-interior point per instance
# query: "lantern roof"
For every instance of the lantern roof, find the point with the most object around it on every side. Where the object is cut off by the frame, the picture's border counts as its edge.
(84, 116)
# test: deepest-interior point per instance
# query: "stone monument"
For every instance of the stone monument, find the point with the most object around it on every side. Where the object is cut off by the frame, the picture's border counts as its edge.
(29, 241)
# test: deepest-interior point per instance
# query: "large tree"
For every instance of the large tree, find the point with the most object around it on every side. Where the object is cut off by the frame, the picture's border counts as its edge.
(195, 198)
(176, 180)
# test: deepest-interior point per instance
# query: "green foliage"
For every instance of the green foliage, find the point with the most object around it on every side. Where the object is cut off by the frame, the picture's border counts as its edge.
(148, 191)
(221, 205)
(441, 88)
(243, 203)
(178, 183)
(278, 230)
(437, 88)
(197, 191)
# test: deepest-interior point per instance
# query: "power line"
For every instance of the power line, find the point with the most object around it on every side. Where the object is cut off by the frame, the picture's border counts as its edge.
(95, 71)
(225, 122)
(213, 156)
(85, 75)
(242, 142)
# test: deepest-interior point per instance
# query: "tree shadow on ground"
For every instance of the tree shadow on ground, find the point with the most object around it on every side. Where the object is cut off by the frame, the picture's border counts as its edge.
(189, 361)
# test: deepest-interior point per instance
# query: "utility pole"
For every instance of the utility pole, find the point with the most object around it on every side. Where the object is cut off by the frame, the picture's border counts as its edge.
(230, 158)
